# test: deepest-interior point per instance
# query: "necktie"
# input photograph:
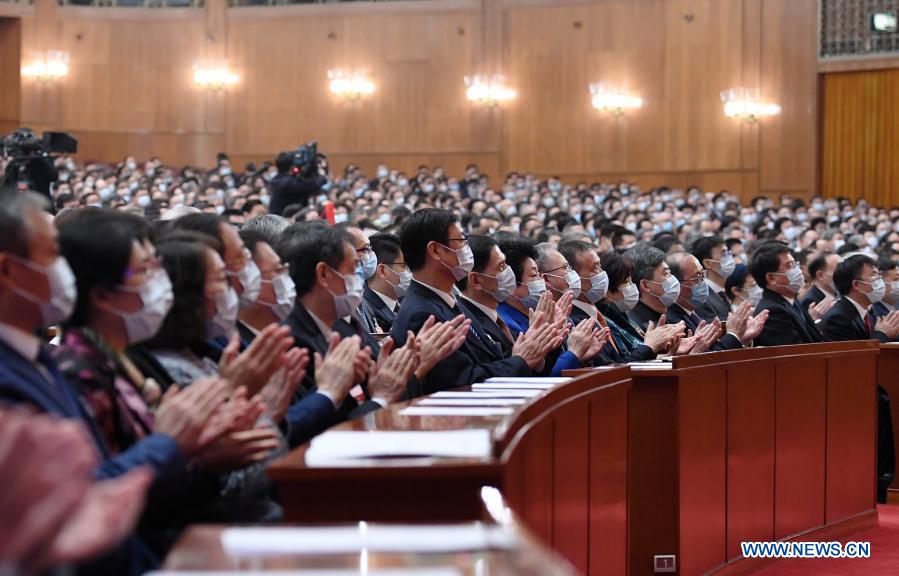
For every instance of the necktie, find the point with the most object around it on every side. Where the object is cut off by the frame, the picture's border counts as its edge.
(695, 318)
(602, 322)
(869, 324)
(504, 329)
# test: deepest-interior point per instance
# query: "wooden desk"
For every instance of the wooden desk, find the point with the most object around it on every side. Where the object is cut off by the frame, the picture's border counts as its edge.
(200, 549)
(758, 444)
(888, 377)
(560, 460)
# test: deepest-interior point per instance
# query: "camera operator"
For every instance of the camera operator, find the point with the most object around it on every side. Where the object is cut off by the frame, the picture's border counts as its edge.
(287, 188)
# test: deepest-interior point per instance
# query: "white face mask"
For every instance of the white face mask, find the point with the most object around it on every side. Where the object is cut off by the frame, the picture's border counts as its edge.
(250, 280)
(466, 262)
(63, 291)
(224, 321)
(894, 289)
(157, 298)
(794, 278)
(536, 288)
(755, 295)
(878, 290)
(726, 266)
(405, 280)
(599, 286)
(631, 295)
(505, 284)
(671, 287)
(369, 265)
(285, 295)
(344, 304)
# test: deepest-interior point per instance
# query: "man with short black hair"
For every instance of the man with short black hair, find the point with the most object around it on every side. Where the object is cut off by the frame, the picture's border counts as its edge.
(387, 286)
(658, 288)
(489, 283)
(821, 270)
(860, 284)
(779, 275)
(719, 263)
(437, 252)
(287, 189)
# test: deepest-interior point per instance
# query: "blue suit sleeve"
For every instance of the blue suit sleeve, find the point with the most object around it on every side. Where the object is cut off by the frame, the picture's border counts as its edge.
(159, 452)
(566, 361)
(310, 416)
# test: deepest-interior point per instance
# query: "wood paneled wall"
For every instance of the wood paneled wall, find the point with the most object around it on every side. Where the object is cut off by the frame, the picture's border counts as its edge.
(860, 148)
(130, 88)
(10, 44)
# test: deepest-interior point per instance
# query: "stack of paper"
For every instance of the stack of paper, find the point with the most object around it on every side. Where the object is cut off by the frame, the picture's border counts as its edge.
(428, 539)
(489, 393)
(529, 380)
(486, 401)
(455, 411)
(342, 445)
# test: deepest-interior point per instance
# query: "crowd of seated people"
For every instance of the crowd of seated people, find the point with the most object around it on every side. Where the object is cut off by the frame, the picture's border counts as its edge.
(198, 336)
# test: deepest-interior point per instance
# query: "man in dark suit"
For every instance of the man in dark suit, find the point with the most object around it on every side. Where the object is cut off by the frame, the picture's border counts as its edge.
(322, 264)
(366, 264)
(693, 293)
(390, 281)
(436, 250)
(889, 270)
(718, 262)
(860, 284)
(779, 275)
(658, 288)
(821, 270)
(485, 287)
(277, 294)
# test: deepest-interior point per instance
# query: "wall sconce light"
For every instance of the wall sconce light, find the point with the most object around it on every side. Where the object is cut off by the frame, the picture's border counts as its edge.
(214, 75)
(488, 90)
(744, 104)
(47, 67)
(350, 84)
(613, 99)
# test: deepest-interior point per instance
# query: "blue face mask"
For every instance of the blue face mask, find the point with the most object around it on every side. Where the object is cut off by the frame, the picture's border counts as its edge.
(367, 268)
(699, 294)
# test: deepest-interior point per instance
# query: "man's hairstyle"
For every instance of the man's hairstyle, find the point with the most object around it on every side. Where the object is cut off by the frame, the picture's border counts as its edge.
(208, 224)
(269, 225)
(665, 241)
(818, 263)
(571, 249)
(617, 267)
(386, 247)
(702, 248)
(14, 227)
(675, 262)
(735, 280)
(731, 242)
(646, 259)
(302, 247)
(517, 250)
(886, 264)
(850, 269)
(284, 161)
(544, 250)
(765, 259)
(618, 236)
(252, 239)
(482, 248)
(421, 228)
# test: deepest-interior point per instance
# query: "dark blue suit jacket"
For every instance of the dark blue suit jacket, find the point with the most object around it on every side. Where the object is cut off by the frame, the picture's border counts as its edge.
(557, 361)
(843, 323)
(786, 324)
(609, 355)
(476, 361)
(379, 310)
(676, 314)
(22, 383)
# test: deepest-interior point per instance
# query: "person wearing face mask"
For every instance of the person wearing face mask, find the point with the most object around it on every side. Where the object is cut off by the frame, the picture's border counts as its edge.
(242, 272)
(521, 257)
(387, 286)
(658, 287)
(741, 287)
(889, 270)
(490, 282)
(860, 284)
(277, 294)
(719, 264)
(366, 265)
(621, 347)
(38, 289)
(780, 277)
(437, 251)
(694, 291)
(822, 294)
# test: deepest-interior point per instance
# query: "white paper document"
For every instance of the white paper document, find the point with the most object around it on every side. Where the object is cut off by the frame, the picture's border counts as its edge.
(510, 386)
(529, 380)
(416, 571)
(342, 445)
(471, 401)
(491, 393)
(455, 411)
(650, 365)
(433, 539)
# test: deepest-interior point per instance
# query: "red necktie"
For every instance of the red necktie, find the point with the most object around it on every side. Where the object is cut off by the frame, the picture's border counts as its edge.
(869, 324)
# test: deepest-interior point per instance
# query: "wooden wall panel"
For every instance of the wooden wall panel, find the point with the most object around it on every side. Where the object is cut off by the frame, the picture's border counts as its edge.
(860, 140)
(10, 46)
(131, 77)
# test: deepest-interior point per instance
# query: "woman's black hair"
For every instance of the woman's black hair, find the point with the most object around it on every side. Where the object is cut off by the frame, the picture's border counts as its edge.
(97, 244)
(183, 255)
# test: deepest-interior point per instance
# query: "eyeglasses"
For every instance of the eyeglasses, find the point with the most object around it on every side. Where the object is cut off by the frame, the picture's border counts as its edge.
(695, 279)
(150, 268)
(240, 262)
(463, 240)
(281, 268)
(566, 267)
(401, 265)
